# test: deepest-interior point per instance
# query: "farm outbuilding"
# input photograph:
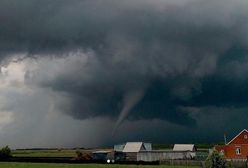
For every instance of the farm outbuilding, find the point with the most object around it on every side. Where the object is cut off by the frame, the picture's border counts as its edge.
(120, 147)
(131, 149)
(189, 148)
(139, 151)
(184, 147)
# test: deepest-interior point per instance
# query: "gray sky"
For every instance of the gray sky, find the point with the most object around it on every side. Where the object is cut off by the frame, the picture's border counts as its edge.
(99, 72)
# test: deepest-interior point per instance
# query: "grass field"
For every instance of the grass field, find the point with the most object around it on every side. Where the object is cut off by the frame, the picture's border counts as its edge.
(46, 153)
(51, 165)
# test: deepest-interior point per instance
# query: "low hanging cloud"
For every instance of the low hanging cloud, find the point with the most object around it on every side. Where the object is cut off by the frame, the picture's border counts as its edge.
(135, 59)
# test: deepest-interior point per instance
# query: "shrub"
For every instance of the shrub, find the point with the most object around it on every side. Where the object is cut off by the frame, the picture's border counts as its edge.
(83, 156)
(79, 153)
(216, 160)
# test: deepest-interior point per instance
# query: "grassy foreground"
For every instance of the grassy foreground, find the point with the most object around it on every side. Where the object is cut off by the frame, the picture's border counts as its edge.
(52, 165)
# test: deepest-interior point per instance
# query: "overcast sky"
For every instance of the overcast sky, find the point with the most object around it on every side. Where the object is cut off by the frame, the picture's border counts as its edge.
(86, 73)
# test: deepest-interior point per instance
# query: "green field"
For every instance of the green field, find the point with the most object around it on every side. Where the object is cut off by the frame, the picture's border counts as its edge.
(50, 165)
(47, 153)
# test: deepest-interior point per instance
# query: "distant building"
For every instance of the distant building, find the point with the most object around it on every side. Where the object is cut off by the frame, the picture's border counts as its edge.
(237, 148)
(131, 149)
(184, 147)
(190, 148)
(141, 145)
(139, 151)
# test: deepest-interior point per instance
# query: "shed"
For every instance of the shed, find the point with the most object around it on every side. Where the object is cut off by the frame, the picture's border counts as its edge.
(186, 148)
(129, 150)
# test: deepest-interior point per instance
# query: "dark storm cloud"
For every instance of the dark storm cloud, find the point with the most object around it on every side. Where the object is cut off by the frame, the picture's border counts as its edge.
(145, 59)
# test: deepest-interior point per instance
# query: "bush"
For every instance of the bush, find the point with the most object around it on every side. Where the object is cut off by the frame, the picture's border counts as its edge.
(5, 153)
(216, 160)
(79, 153)
(83, 156)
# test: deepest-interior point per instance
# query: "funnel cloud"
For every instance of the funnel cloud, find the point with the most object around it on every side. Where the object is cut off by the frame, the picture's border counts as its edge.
(129, 101)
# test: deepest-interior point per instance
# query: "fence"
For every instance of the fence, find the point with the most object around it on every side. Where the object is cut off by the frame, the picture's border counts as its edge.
(183, 163)
(149, 156)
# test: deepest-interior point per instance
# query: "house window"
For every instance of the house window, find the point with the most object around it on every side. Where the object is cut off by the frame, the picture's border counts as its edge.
(245, 136)
(238, 151)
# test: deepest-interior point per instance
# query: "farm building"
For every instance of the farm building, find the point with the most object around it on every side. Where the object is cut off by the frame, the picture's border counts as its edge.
(189, 148)
(130, 150)
(120, 147)
(139, 151)
(184, 147)
(237, 148)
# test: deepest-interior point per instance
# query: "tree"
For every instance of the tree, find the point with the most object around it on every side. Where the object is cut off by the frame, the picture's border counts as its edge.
(216, 160)
(5, 153)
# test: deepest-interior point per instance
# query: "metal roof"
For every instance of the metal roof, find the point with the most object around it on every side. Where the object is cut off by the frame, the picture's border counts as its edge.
(119, 147)
(133, 147)
(183, 147)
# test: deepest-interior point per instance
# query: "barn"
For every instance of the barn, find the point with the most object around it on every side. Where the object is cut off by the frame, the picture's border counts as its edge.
(237, 148)
(130, 150)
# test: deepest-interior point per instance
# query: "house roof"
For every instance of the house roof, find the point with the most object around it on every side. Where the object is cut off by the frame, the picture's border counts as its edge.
(183, 147)
(133, 147)
(244, 130)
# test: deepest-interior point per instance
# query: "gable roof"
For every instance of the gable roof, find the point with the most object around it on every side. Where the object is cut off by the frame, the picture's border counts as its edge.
(133, 147)
(184, 147)
(119, 147)
(244, 130)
